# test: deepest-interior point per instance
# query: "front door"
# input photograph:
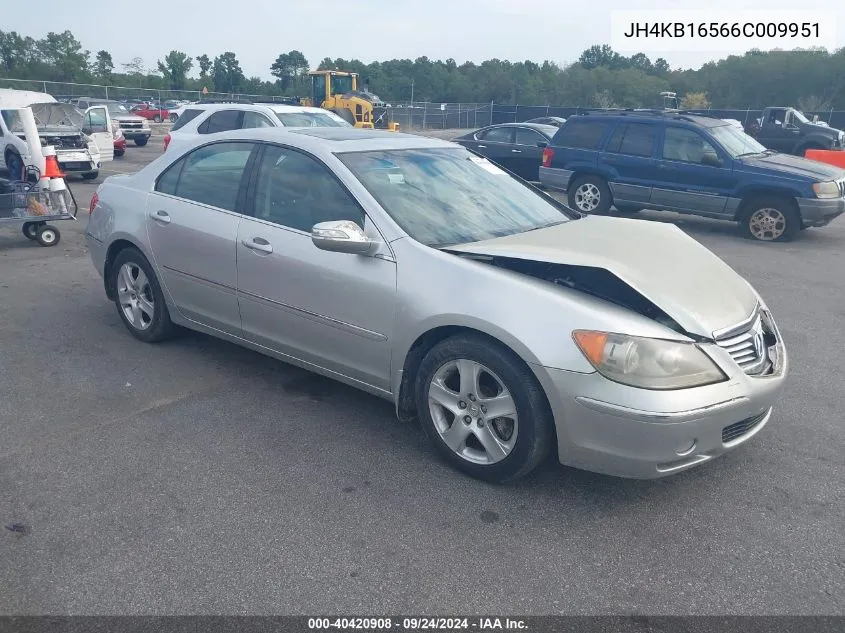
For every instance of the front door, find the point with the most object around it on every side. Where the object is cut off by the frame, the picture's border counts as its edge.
(97, 125)
(333, 310)
(777, 131)
(692, 175)
(192, 221)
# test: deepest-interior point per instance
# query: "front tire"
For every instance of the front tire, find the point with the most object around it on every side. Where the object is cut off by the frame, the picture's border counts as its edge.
(173, 118)
(770, 219)
(157, 119)
(30, 229)
(483, 409)
(140, 142)
(590, 194)
(90, 175)
(139, 299)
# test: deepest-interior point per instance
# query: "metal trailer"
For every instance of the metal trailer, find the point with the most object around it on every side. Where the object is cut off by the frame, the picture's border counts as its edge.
(34, 208)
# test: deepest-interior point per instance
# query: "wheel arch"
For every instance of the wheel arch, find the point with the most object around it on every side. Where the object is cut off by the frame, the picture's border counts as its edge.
(413, 356)
(749, 195)
(115, 248)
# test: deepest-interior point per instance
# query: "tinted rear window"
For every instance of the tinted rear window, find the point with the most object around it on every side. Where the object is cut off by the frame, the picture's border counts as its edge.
(636, 139)
(581, 134)
(186, 117)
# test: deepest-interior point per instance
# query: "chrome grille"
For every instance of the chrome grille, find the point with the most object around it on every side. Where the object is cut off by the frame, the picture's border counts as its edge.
(131, 125)
(748, 345)
(841, 184)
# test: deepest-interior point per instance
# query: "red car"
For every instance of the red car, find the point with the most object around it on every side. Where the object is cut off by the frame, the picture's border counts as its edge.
(150, 112)
(119, 146)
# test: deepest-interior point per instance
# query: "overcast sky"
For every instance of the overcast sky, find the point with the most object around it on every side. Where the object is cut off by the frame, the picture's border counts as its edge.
(466, 30)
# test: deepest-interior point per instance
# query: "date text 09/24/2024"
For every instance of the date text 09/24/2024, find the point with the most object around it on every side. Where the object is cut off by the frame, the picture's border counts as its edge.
(418, 624)
(722, 30)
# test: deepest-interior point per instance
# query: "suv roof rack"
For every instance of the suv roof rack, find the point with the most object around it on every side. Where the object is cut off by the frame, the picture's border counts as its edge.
(242, 101)
(683, 115)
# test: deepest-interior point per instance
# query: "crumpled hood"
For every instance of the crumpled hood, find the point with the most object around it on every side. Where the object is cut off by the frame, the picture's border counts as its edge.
(673, 271)
(795, 166)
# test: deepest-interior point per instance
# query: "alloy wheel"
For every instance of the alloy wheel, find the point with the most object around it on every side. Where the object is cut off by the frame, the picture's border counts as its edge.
(767, 224)
(135, 296)
(473, 411)
(587, 197)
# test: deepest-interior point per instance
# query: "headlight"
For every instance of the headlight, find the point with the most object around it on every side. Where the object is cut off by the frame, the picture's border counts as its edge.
(145, 125)
(826, 189)
(648, 363)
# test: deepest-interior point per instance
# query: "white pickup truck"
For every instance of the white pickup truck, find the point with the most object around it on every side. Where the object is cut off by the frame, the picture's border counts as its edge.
(83, 140)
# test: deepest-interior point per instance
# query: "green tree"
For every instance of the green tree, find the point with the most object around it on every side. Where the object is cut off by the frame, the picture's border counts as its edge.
(205, 66)
(103, 65)
(175, 69)
(695, 101)
(288, 67)
(65, 55)
(226, 73)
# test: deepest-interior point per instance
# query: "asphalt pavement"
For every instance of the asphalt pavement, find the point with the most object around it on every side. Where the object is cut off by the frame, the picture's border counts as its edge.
(197, 477)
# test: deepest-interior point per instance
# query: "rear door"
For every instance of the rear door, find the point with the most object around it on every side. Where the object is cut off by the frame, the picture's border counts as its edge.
(192, 221)
(629, 159)
(687, 179)
(97, 125)
(527, 153)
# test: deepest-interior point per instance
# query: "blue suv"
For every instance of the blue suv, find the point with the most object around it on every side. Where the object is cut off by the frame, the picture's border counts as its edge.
(694, 164)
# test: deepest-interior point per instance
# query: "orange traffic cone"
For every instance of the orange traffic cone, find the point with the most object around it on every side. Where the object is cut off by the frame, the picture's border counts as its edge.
(51, 168)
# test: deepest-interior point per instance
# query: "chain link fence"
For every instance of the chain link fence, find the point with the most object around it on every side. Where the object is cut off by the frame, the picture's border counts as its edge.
(409, 115)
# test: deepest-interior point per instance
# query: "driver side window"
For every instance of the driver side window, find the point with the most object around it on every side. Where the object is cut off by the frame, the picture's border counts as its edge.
(296, 191)
(686, 146)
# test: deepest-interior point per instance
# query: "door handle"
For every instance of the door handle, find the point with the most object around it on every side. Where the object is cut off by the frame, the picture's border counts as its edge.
(482, 146)
(161, 216)
(517, 151)
(258, 244)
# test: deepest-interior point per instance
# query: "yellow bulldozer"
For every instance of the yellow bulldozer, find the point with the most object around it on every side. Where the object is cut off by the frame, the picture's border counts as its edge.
(337, 90)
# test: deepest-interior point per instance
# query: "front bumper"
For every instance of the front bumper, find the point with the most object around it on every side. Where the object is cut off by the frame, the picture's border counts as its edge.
(820, 212)
(136, 133)
(609, 428)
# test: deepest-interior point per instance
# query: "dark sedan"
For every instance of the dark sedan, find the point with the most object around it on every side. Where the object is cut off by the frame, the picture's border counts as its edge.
(557, 121)
(518, 147)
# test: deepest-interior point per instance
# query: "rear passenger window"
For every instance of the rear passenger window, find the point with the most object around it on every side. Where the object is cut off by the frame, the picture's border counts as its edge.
(635, 139)
(581, 134)
(186, 117)
(209, 175)
(222, 121)
(254, 119)
(525, 136)
(498, 135)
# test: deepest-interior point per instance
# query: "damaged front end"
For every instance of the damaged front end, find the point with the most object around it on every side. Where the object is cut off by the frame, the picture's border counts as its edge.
(596, 282)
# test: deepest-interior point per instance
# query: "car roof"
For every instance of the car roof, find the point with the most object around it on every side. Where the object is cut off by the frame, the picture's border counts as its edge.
(653, 115)
(333, 139)
(253, 107)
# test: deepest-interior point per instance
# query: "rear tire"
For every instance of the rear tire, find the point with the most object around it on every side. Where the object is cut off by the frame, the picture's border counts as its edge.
(590, 194)
(173, 118)
(770, 219)
(468, 372)
(138, 297)
(157, 119)
(140, 142)
(90, 175)
(30, 229)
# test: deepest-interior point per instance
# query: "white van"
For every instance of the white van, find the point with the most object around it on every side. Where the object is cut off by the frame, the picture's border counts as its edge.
(83, 140)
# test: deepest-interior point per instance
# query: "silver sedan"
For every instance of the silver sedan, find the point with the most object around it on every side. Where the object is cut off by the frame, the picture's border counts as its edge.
(509, 325)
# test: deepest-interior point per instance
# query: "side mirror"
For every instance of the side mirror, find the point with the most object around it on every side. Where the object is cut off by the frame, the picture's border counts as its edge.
(542, 144)
(711, 160)
(341, 236)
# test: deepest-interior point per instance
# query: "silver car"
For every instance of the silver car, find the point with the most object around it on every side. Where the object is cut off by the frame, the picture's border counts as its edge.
(508, 324)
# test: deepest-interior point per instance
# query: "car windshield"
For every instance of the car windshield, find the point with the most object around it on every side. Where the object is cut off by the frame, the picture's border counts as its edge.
(117, 109)
(443, 197)
(736, 142)
(800, 116)
(310, 119)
